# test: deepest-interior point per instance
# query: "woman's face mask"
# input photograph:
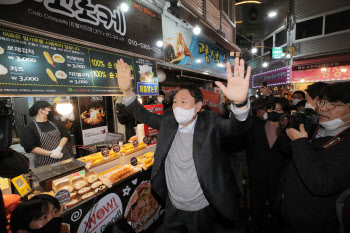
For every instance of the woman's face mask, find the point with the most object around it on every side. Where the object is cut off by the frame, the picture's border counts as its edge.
(274, 116)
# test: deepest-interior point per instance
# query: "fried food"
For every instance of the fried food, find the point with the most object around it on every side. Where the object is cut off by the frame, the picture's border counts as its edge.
(51, 75)
(48, 58)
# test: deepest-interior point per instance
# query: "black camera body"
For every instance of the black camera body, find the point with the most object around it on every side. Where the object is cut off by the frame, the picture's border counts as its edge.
(307, 116)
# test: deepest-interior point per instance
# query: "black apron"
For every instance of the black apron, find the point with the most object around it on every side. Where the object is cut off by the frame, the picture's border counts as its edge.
(49, 141)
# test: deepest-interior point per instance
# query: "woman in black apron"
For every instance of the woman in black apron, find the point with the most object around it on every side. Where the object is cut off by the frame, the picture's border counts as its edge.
(46, 139)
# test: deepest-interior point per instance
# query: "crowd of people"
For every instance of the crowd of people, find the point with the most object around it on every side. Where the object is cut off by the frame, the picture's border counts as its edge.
(294, 156)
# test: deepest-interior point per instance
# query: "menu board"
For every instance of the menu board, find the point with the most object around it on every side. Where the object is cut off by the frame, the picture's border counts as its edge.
(37, 65)
(97, 21)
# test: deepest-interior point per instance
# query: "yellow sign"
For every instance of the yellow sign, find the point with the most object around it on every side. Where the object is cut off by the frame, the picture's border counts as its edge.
(21, 185)
(4, 183)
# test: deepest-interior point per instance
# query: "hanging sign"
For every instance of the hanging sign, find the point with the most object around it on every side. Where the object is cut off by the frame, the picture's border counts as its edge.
(273, 77)
(183, 48)
(37, 65)
(322, 74)
(98, 21)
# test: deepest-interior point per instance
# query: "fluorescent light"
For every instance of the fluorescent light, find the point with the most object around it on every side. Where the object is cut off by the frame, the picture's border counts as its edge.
(265, 64)
(160, 43)
(272, 14)
(245, 2)
(323, 69)
(343, 70)
(124, 7)
(198, 60)
(254, 50)
(196, 30)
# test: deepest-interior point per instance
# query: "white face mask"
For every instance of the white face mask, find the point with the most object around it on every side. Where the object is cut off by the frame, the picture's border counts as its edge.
(296, 101)
(160, 99)
(265, 116)
(333, 124)
(183, 116)
(308, 105)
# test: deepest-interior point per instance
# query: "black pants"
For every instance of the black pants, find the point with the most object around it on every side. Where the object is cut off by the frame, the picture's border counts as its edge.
(180, 221)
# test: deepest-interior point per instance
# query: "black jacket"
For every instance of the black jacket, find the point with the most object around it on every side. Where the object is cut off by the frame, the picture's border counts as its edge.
(215, 177)
(314, 180)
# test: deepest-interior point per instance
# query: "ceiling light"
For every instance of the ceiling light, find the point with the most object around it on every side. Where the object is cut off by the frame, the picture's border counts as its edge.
(239, 21)
(323, 69)
(205, 73)
(64, 106)
(272, 14)
(245, 2)
(196, 30)
(343, 70)
(159, 43)
(124, 6)
(265, 64)
(198, 60)
(288, 56)
(254, 50)
(283, 54)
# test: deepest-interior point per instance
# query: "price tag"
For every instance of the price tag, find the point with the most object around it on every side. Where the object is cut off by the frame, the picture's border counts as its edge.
(133, 161)
(135, 143)
(116, 148)
(21, 185)
(145, 140)
(63, 196)
(105, 152)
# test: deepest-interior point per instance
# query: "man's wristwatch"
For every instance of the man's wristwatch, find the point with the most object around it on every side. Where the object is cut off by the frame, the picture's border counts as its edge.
(239, 105)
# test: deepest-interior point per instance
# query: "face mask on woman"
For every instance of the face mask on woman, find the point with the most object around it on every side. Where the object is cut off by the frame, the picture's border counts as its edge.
(160, 99)
(265, 116)
(333, 124)
(296, 101)
(183, 116)
(274, 116)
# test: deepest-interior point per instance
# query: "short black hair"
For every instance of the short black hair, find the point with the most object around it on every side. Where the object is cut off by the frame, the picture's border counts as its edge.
(337, 92)
(161, 93)
(258, 104)
(284, 102)
(206, 108)
(299, 92)
(26, 212)
(195, 92)
(315, 90)
(47, 198)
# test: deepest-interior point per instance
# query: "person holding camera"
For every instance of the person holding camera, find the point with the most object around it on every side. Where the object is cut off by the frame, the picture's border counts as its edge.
(266, 165)
(319, 170)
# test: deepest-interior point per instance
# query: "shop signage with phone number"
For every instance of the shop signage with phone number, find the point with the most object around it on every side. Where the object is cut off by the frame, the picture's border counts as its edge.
(37, 65)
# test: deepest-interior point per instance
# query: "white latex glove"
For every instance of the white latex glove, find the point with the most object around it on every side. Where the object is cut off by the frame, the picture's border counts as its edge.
(54, 156)
(56, 152)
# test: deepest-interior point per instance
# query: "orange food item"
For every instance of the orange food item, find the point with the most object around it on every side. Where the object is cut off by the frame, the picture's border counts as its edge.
(121, 174)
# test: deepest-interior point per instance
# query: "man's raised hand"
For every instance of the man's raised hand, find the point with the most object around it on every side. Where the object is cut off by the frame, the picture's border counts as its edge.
(124, 78)
(237, 85)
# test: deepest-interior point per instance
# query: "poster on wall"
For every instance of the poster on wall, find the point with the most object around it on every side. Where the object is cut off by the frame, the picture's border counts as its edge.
(211, 99)
(97, 21)
(183, 48)
(92, 112)
(37, 65)
(150, 133)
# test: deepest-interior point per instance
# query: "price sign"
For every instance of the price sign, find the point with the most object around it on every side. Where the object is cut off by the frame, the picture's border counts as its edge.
(145, 140)
(116, 148)
(63, 196)
(135, 143)
(133, 161)
(105, 152)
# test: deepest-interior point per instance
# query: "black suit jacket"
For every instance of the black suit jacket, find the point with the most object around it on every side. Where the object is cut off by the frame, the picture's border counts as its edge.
(215, 176)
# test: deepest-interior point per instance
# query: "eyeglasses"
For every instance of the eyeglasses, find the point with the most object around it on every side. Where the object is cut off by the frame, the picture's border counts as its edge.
(329, 105)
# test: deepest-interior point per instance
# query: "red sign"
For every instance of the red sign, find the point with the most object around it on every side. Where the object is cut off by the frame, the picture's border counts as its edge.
(212, 99)
(150, 132)
(322, 74)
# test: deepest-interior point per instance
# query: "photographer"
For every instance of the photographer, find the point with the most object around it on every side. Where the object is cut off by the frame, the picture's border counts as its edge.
(266, 164)
(320, 170)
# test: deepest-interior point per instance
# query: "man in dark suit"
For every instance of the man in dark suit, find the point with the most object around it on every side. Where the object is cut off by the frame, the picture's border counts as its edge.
(191, 172)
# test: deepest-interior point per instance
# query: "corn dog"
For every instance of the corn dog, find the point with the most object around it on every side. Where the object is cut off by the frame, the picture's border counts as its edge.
(48, 58)
(51, 75)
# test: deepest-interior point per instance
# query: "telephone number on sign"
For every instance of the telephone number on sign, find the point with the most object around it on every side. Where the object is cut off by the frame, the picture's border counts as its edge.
(144, 46)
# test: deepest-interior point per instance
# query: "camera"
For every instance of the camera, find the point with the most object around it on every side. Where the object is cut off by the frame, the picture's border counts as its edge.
(306, 116)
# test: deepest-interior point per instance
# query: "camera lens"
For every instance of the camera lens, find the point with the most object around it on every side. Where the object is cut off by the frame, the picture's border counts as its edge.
(284, 121)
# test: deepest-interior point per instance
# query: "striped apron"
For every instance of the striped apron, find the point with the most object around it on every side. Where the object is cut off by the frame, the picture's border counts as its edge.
(50, 141)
